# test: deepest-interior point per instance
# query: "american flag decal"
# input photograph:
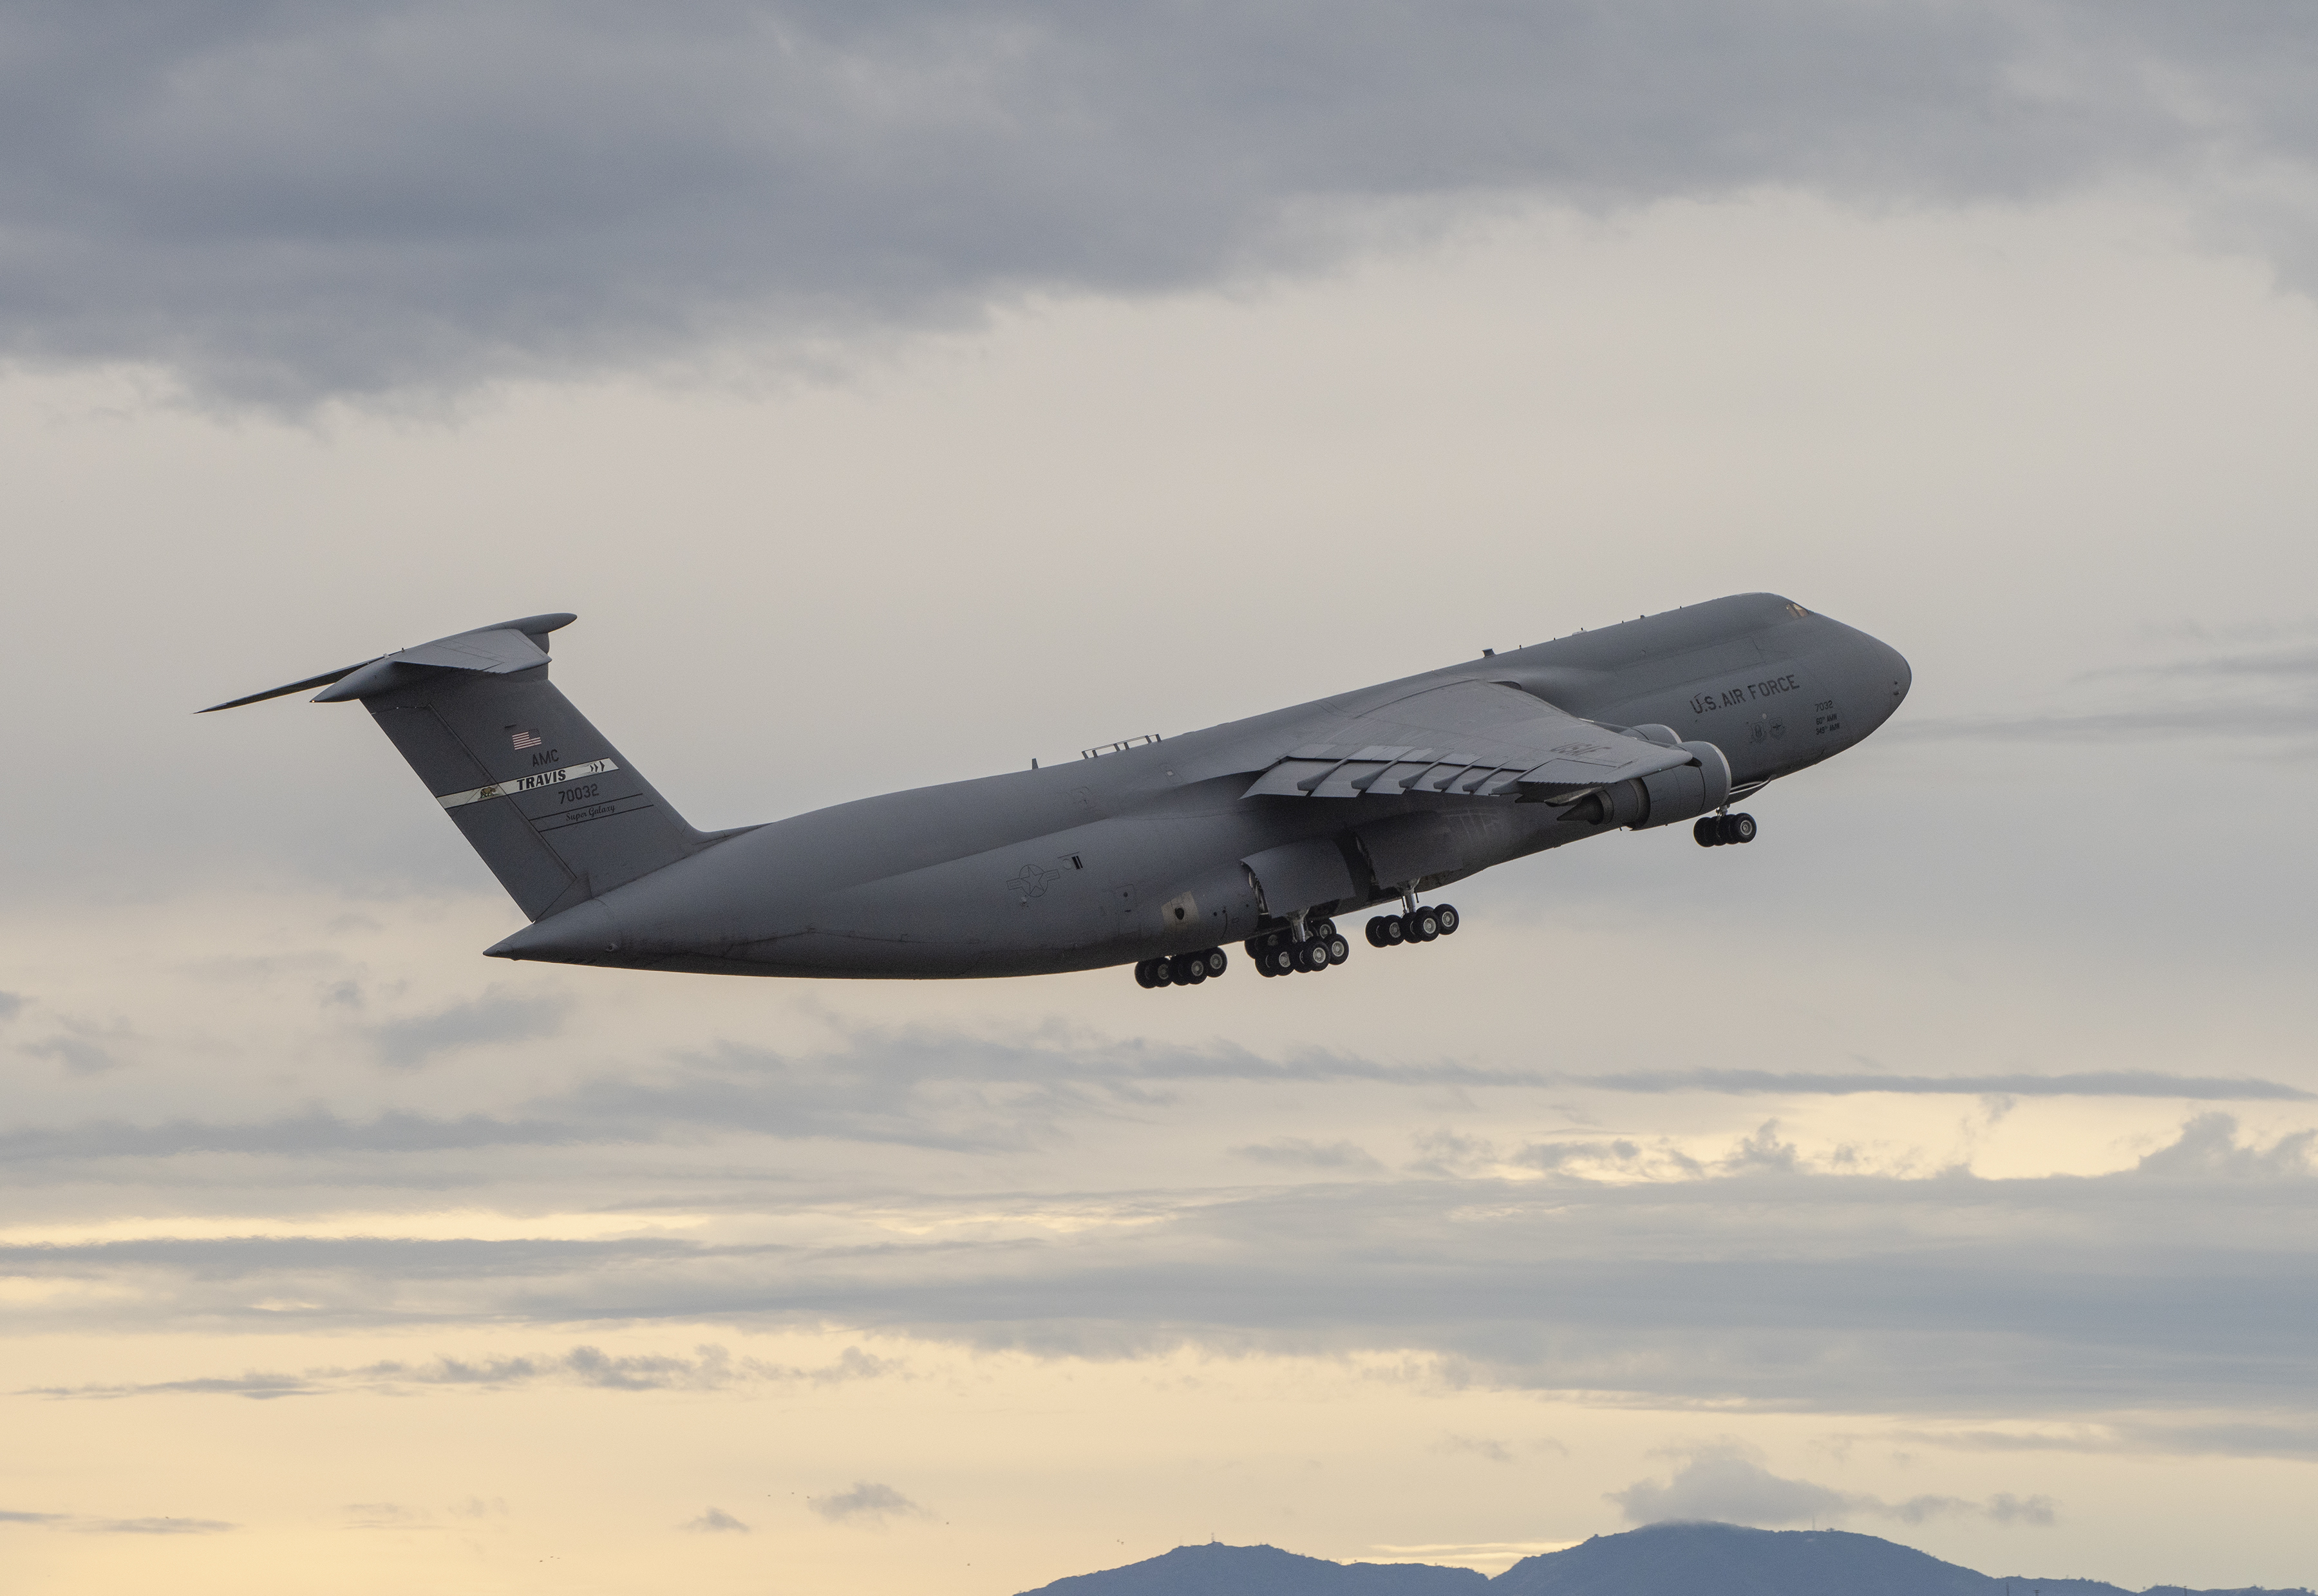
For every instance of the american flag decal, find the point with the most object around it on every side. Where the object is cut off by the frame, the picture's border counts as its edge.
(527, 739)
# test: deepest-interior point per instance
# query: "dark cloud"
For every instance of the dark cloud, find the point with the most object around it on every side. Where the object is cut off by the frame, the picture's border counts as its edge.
(282, 204)
(1726, 1482)
(495, 1016)
(868, 1503)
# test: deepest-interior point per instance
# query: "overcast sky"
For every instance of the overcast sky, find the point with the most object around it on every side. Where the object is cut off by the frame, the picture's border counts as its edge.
(900, 394)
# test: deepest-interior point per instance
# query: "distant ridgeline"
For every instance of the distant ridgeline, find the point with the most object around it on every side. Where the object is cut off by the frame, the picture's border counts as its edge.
(1660, 1560)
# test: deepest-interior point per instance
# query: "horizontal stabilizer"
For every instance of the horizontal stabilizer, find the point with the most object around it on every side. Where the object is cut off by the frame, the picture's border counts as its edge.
(490, 650)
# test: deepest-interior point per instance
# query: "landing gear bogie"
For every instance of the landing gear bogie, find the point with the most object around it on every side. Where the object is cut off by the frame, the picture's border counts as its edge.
(1185, 969)
(1717, 831)
(1421, 924)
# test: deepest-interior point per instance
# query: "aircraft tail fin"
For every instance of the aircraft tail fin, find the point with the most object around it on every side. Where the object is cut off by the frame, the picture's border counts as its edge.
(553, 808)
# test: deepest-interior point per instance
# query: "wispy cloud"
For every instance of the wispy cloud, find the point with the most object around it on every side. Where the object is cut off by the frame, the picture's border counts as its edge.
(85, 1524)
(958, 1091)
(2082, 1083)
(79, 1054)
(1297, 1152)
(1477, 1446)
(709, 1369)
(497, 1016)
(2256, 695)
(868, 1502)
(1728, 1482)
(715, 1520)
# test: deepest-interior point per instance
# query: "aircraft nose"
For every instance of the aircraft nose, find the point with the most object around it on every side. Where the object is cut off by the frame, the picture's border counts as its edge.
(1892, 677)
(1902, 677)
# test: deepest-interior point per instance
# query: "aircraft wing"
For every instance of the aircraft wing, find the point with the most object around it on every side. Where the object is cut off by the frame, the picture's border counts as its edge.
(1480, 739)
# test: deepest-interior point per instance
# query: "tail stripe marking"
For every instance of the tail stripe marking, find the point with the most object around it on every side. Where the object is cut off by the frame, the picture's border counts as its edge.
(524, 783)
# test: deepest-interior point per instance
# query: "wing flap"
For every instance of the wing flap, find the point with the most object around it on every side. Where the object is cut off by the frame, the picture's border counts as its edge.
(1469, 738)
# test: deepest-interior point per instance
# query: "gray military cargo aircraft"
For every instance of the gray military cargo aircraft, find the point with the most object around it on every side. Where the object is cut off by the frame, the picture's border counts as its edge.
(1149, 852)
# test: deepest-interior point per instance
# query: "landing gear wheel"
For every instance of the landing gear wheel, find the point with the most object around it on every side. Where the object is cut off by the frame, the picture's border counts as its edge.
(1311, 957)
(1216, 961)
(1190, 968)
(1708, 831)
(1423, 926)
(1143, 974)
(1376, 930)
(1447, 915)
(1162, 971)
(1739, 827)
(1337, 950)
(1395, 932)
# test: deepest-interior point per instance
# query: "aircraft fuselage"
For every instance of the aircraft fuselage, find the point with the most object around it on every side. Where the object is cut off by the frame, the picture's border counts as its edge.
(1140, 854)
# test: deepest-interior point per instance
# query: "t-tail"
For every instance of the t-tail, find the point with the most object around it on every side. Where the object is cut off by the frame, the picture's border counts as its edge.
(555, 812)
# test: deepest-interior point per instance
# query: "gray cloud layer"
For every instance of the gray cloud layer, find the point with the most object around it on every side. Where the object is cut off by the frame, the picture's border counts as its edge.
(2180, 1284)
(283, 203)
(944, 1090)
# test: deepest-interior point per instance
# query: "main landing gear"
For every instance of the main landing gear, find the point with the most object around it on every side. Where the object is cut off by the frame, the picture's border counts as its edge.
(1715, 830)
(1185, 969)
(1279, 952)
(1276, 953)
(1418, 925)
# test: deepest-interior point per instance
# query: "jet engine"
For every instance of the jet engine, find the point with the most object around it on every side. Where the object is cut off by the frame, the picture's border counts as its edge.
(1682, 794)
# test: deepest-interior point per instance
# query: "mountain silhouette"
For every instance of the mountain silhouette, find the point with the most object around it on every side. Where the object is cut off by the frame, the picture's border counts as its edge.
(1656, 1560)
(1218, 1570)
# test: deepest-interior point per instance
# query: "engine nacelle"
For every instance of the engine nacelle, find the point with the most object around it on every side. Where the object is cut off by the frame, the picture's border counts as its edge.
(1682, 794)
(1687, 791)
